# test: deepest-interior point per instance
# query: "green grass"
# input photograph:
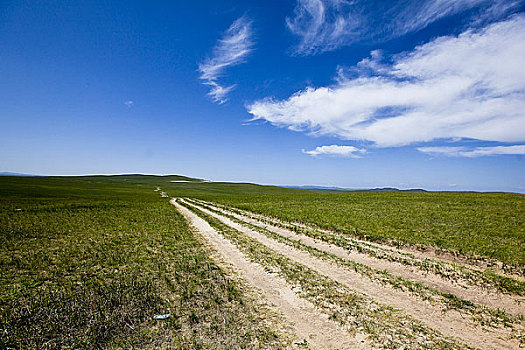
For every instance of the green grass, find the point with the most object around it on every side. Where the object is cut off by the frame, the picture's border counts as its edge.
(386, 327)
(86, 263)
(482, 278)
(481, 315)
(490, 225)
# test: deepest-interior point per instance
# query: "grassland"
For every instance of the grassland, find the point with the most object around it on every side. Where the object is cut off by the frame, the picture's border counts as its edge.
(342, 304)
(388, 282)
(490, 225)
(86, 263)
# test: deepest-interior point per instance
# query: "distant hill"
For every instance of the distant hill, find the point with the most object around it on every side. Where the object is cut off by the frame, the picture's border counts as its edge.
(180, 179)
(343, 189)
(118, 177)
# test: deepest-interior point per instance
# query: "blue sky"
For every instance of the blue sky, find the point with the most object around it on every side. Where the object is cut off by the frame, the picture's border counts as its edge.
(343, 93)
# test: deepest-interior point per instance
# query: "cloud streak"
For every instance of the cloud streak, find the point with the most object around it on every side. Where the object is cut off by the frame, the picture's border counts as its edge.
(325, 25)
(474, 152)
(231, 50)
(337, 151)
(455, 87)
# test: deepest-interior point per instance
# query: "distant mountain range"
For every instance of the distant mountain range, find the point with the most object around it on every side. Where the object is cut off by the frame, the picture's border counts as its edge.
(342, 189)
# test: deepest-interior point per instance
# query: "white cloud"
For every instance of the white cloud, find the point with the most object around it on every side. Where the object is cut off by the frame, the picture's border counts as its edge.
(325, 25)
(473, 152)
(218, 92)
(232, 49)
(129, 103)
(336, 150)
(469, 86)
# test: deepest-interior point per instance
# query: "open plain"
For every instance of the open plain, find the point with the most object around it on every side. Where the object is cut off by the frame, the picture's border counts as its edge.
(89, 261)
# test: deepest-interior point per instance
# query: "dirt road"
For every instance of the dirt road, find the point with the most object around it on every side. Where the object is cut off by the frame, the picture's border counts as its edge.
(307, 322)
(422, 302)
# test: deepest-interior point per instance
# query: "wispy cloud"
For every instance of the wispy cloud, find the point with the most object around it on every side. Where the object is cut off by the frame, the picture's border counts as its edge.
(325, 25)
(336, 150)
(232, 49)
(129, 103)
(473, 152)
(466, 86)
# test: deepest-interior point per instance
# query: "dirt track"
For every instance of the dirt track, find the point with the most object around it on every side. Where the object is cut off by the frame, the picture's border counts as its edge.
(306, 321)
(476, 294)
(452, 323)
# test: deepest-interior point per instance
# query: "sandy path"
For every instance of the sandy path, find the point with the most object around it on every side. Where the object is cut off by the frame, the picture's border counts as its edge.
(451, 323)
(308, 323)
(477, 295)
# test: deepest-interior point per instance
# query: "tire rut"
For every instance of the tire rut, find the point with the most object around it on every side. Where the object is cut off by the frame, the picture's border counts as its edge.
(308, 323)
(451, 324)
(482, 296)
(420, 252)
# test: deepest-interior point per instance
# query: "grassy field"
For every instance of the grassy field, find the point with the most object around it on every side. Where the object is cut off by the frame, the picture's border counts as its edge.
(87, 263)
(490, 225)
